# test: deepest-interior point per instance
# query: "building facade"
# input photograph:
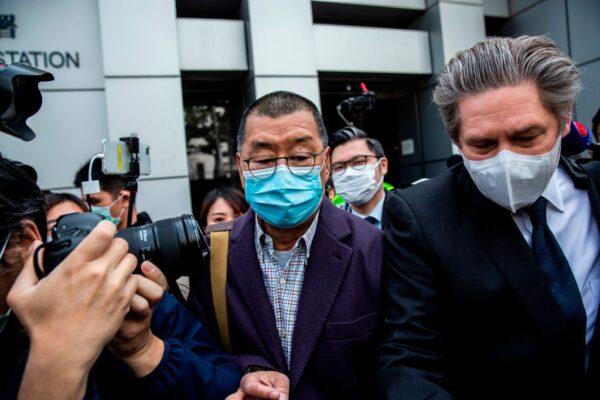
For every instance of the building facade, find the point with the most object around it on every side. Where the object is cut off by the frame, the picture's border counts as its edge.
(179, 73)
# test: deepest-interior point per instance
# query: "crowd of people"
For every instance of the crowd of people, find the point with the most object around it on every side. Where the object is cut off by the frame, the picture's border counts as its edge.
(480, 283)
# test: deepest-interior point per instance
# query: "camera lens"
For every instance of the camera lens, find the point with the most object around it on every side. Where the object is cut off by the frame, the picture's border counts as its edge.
(175, 245)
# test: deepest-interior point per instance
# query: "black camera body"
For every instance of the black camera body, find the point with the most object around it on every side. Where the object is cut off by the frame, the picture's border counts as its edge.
(176, 245)
(353, 109)
(20, 98)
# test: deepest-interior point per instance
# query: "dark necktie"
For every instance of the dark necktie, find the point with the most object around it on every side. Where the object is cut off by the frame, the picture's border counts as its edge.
(555, 265)
(372, 220)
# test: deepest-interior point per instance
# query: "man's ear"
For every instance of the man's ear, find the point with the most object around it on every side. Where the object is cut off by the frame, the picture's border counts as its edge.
(383, 166)
(567, 127)
(238, 161)
(125, 196)
(328, 160)
(28, 234)
(326, 165)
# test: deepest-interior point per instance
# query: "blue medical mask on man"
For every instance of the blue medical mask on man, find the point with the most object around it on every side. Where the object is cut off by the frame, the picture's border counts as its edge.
(284, 197)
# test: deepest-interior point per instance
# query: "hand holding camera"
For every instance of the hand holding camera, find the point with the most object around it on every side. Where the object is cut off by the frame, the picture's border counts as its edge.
(72, 313)
(134, 343)
(77, 294)
(83, 302)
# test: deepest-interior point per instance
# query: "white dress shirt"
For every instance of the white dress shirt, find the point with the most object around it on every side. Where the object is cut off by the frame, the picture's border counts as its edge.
(569, 216)
(376, 212)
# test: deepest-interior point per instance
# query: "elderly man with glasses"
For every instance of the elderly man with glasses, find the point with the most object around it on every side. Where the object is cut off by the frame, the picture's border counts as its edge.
(303, 288)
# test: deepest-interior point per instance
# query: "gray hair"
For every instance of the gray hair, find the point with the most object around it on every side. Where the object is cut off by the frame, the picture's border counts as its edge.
(277, 104)
(498, 62)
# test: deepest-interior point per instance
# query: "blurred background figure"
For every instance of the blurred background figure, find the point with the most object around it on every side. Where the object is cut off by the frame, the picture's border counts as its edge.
(331, 195)
(113, 200)
(60, 204)
(222, 205)
(358, 168)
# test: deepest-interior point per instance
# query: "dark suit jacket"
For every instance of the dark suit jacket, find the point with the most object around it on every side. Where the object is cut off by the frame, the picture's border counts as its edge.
(386, 199)
(333, 351)
(469, 314)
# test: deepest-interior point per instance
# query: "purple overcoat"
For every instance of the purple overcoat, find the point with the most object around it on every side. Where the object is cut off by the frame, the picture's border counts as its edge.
(339, 312)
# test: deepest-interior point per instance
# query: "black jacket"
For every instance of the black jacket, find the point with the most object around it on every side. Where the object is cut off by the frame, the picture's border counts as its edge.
(469, 314)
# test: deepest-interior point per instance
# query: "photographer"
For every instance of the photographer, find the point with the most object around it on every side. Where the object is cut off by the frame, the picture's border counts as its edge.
(91, 328)
(60, 204)
(113, 200)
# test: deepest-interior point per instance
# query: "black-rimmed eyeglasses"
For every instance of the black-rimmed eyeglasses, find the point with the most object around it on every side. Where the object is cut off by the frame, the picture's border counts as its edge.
(356, 163)
(301, 163)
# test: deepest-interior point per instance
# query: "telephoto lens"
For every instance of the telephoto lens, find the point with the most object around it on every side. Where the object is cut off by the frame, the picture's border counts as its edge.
(175, 245)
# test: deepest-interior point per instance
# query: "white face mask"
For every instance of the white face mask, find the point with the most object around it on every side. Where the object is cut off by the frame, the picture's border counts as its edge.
(514, 180)
(357, 187)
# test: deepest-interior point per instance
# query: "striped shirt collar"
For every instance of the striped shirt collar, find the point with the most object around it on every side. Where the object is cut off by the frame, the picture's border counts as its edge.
(307, 238)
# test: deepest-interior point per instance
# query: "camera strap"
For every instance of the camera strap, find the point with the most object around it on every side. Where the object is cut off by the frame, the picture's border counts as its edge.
(219, 245)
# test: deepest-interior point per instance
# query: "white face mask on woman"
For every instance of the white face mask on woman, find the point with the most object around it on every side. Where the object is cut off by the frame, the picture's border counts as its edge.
(514, 180)
(357, 186)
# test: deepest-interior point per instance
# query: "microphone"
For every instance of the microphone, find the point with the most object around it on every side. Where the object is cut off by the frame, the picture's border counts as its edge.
(577, 140)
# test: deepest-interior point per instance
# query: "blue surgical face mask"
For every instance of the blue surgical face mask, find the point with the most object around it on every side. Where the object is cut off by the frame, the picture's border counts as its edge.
(105, 212)
(284, 199)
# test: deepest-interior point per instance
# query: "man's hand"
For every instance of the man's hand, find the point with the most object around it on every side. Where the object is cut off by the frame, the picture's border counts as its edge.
(134, 342)
(263, 385)
(81, 304)
(72, 313)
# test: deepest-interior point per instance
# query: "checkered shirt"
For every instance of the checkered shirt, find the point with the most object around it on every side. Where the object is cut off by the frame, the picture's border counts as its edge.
(284, 284)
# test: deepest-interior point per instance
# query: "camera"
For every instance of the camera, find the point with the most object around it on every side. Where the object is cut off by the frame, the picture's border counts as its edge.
(175, 245)
(20, 98)
(354, 108)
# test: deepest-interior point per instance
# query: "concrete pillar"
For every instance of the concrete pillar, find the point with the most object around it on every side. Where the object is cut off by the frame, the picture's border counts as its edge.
(281, 48)
(453, 25)
(143, 95)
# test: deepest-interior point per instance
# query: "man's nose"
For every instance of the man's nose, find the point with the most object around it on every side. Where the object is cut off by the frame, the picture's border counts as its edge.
(280, 161)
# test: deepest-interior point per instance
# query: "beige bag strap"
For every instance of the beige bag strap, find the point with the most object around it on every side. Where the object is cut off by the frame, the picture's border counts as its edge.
(219, 244)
